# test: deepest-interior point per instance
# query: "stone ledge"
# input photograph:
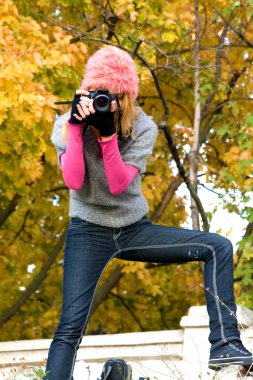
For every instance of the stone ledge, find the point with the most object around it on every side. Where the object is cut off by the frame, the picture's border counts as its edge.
(198, 317)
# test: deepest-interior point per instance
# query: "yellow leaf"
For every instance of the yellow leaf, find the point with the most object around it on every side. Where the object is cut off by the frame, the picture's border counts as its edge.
(169, 36)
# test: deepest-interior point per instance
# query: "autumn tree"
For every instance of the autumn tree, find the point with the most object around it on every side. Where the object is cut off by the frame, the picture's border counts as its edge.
(195, 64)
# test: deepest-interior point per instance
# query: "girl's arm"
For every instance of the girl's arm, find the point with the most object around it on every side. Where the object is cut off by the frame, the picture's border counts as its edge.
(72, 160)
(119, 175)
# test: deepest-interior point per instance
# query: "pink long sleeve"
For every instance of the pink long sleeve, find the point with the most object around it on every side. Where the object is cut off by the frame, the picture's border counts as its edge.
(119, 175)
(72, 161)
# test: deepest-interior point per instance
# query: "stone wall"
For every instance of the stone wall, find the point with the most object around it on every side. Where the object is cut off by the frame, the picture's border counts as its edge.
(160, 355)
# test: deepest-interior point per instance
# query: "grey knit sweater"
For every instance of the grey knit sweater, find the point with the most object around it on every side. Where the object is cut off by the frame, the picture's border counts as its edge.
(94, 202)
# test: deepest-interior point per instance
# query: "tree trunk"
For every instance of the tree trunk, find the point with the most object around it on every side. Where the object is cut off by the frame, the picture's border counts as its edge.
(194, 153)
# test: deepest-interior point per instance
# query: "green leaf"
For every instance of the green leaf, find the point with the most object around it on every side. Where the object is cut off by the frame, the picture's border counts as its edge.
(222, 130)
(244, 164)
(244, 141)
(206, 87)
(222, 86)
(249, 119)
(234, 108)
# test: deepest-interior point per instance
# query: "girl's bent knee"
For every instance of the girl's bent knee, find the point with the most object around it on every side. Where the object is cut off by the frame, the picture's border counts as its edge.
(226, 245)
(220, 242)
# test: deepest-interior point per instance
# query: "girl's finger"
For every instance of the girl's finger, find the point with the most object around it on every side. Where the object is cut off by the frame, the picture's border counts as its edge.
(84, 103)
(85, 107)
(91, 108)
(80, 91)
(77, 117)
(113, 106)
(80, 110)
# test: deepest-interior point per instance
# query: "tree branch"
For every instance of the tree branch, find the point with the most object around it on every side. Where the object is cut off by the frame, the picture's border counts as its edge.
(218, 109)
(184, 176)
(129, 310)
(103, 291)
(21, 228)
(248, 232)
(57, 189)
(236, 31)
(172, 102)
(5, 213)
(217, 76)
(6, 315)
(173, 186)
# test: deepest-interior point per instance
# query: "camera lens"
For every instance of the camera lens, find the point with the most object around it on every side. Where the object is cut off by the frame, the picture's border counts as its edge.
(102, 103)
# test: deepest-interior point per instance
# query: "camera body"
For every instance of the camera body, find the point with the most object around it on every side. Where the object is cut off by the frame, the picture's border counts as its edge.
(102, 99)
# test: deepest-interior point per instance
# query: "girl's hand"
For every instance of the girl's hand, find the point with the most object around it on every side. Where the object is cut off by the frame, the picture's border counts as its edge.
(83, 111)
(82, 106)
(85, 106)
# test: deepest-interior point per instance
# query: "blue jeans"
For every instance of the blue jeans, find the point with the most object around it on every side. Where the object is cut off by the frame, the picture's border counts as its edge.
(90, 247)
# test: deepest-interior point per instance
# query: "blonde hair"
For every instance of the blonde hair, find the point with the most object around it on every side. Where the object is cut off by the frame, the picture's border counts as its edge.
(129, 116)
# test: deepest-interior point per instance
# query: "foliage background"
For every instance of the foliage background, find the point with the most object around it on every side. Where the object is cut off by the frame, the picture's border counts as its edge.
(44, 48)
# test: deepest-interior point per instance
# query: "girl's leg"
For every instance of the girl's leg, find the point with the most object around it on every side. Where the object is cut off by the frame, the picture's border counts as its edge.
(143, 241)
(87, 251)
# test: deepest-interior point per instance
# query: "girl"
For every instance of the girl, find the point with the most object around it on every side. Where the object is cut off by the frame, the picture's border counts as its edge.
(108, 215)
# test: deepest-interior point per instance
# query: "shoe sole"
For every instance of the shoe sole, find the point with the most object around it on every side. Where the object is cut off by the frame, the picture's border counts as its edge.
(217, 364)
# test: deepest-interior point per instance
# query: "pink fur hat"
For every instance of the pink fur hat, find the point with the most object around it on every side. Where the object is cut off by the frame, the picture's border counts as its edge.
(111, 67)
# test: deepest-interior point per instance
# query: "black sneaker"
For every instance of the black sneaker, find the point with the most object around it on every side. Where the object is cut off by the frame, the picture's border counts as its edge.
(231, 353)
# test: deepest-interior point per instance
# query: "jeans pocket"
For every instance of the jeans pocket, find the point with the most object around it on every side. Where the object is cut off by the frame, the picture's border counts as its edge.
(143, 220)
(77, 223)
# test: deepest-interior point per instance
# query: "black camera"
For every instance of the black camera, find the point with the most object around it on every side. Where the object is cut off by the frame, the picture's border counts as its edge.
(102, 99)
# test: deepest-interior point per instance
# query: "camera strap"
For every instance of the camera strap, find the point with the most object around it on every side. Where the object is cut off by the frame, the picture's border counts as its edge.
(120, 135)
